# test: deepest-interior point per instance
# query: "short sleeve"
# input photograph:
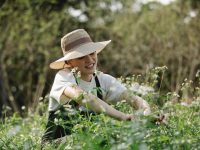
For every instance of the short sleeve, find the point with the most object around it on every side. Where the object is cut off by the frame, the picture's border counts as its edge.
(62, 80)
(113, 88)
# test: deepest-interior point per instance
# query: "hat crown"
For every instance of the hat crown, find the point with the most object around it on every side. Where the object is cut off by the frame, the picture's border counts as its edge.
(74, 39)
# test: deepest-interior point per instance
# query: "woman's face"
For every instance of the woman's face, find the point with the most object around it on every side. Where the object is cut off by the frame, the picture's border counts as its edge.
(86, 64)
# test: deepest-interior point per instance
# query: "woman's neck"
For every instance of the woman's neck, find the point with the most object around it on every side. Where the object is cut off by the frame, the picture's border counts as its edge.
(87, 78)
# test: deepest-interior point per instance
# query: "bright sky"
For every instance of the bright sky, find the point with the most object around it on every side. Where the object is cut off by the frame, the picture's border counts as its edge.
(116, 6)
(165, 2)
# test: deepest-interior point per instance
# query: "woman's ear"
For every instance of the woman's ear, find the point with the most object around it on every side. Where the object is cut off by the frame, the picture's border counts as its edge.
(68, 63)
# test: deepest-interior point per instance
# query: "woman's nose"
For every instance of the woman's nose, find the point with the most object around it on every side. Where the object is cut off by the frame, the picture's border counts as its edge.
(89, 58)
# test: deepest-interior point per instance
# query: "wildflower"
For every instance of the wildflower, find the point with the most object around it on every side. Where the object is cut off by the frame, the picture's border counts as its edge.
(35, 131)
(56, 120)
(122, 146)
(84, 101)
(155, 76)
(165, 67)
(141, 89)
(96, 72)
(162, 118)
(23, 107)
(175, 94)
(8, 108)
(184, 104)
(78, 74)
(74, 70)
(13, 131)
(57, 112)
(198, 73)
(41, 98)
(123, 101)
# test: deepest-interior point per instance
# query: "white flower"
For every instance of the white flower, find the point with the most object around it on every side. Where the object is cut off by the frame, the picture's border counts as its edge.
(23, 107)
(74, 70)
(184, 104)
(198, 73)
(84, 101)
(141, 89)
(56, 120)
(78, 74)
(13, 131)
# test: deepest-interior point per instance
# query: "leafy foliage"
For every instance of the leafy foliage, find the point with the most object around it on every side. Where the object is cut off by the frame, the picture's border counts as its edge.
(102, 132)
(153, 35)
(178, 130)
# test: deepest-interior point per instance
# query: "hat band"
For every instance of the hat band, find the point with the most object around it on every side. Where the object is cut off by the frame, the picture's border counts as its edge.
(76, 43)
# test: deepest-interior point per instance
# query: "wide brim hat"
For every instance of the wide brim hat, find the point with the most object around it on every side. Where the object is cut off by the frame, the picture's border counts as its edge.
(77, 44)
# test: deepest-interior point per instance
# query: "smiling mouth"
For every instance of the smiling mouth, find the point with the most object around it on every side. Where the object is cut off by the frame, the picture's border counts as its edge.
(90, 66)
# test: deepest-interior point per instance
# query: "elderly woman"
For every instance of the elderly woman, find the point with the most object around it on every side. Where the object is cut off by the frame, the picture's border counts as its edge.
(88, 90)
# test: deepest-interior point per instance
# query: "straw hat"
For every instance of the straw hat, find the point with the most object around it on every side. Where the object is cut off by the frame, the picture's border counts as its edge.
(77, 44)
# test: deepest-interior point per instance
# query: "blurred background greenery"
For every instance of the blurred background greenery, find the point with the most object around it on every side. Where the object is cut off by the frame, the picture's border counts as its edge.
(144, 34)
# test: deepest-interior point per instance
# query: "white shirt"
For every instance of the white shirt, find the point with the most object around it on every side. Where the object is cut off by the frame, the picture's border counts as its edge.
(110, 87)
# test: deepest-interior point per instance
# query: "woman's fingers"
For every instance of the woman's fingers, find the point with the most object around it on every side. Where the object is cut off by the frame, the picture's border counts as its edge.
(129, 117)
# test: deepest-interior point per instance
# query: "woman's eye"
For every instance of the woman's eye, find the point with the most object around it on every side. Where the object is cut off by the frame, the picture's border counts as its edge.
(81, 57)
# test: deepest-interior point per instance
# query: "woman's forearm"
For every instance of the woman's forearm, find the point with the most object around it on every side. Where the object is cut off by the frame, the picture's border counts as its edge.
(97, 105)
(93, 103)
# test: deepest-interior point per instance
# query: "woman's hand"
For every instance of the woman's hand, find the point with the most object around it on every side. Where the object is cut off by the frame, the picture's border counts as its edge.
(128, 117)
(136, 102)
(161, 118)
(147, 112)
